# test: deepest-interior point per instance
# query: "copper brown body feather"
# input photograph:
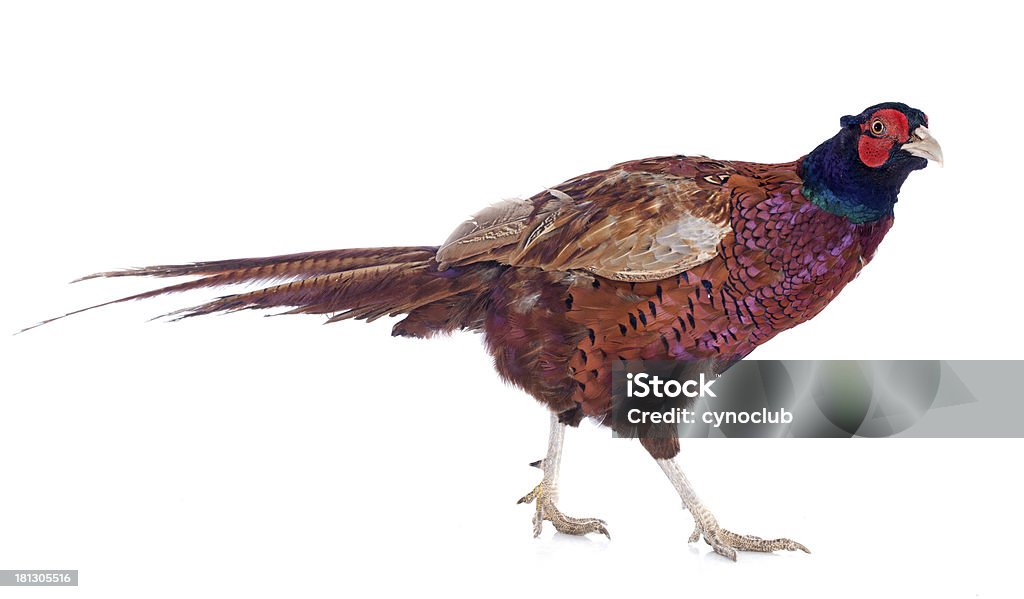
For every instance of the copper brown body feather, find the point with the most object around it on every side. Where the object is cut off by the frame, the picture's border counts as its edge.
(672, 258)
(777, 261)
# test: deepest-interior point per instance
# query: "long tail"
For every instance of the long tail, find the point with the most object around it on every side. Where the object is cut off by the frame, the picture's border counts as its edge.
(362, 283)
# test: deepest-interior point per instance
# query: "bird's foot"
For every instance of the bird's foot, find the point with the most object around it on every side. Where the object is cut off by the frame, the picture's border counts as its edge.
(547, 510)
(727, 543)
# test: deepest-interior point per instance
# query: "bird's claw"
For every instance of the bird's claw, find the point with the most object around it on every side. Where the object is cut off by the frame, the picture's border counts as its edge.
(727, 543)
(530, 497)
(547, 510)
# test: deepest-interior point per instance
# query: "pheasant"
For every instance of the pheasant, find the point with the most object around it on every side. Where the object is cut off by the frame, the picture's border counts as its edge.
(670, 258)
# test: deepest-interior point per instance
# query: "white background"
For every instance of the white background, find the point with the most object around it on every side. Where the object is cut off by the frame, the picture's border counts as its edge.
(241, 455)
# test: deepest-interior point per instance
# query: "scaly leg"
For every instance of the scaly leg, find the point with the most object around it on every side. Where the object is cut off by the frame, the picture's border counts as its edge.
(546, 493)
(724, 542)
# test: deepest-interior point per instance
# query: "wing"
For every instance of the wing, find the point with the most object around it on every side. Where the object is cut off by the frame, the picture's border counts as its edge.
(637, 221)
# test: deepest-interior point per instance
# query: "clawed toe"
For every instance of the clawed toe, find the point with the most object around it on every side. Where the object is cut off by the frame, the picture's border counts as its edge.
(574, 526)
(530, 497)
(547, 510)
(727, 543)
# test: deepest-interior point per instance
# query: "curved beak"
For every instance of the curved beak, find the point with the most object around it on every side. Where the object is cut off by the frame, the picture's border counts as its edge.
(924, 145)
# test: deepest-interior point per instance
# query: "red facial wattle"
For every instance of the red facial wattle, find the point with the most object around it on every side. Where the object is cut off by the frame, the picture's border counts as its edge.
(874, 152)
(875, 146)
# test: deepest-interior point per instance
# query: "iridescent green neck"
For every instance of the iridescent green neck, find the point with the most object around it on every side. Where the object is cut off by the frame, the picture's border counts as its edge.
(828, 201)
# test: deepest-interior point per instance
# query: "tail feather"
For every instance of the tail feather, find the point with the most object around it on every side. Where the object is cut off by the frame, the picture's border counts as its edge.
(278, 267)
(364, 293)
(362, 283)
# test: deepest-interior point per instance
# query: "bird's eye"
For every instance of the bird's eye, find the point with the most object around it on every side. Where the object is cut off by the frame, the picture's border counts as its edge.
(878, 127)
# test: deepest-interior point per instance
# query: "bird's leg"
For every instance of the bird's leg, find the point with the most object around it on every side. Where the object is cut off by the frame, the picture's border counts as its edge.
(723, 541)
(546, 493)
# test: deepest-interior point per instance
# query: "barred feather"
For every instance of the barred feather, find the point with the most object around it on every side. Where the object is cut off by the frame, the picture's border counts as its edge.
(363, 293)
(279, 267)
(355, 283)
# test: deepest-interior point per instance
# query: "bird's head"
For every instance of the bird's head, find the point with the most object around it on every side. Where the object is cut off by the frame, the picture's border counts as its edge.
(859, 171)
(892, 137)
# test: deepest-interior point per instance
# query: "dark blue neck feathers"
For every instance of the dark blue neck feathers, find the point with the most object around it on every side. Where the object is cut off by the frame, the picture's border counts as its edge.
(837, 181)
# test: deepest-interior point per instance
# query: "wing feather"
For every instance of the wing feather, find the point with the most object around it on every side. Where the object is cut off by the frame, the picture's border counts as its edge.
(638, 221)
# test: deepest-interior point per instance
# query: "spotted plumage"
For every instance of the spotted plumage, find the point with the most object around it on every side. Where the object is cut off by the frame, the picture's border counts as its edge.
(781, 261)
(664, 258)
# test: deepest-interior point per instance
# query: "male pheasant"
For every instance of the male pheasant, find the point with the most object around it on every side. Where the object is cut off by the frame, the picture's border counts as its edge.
(678, 258)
